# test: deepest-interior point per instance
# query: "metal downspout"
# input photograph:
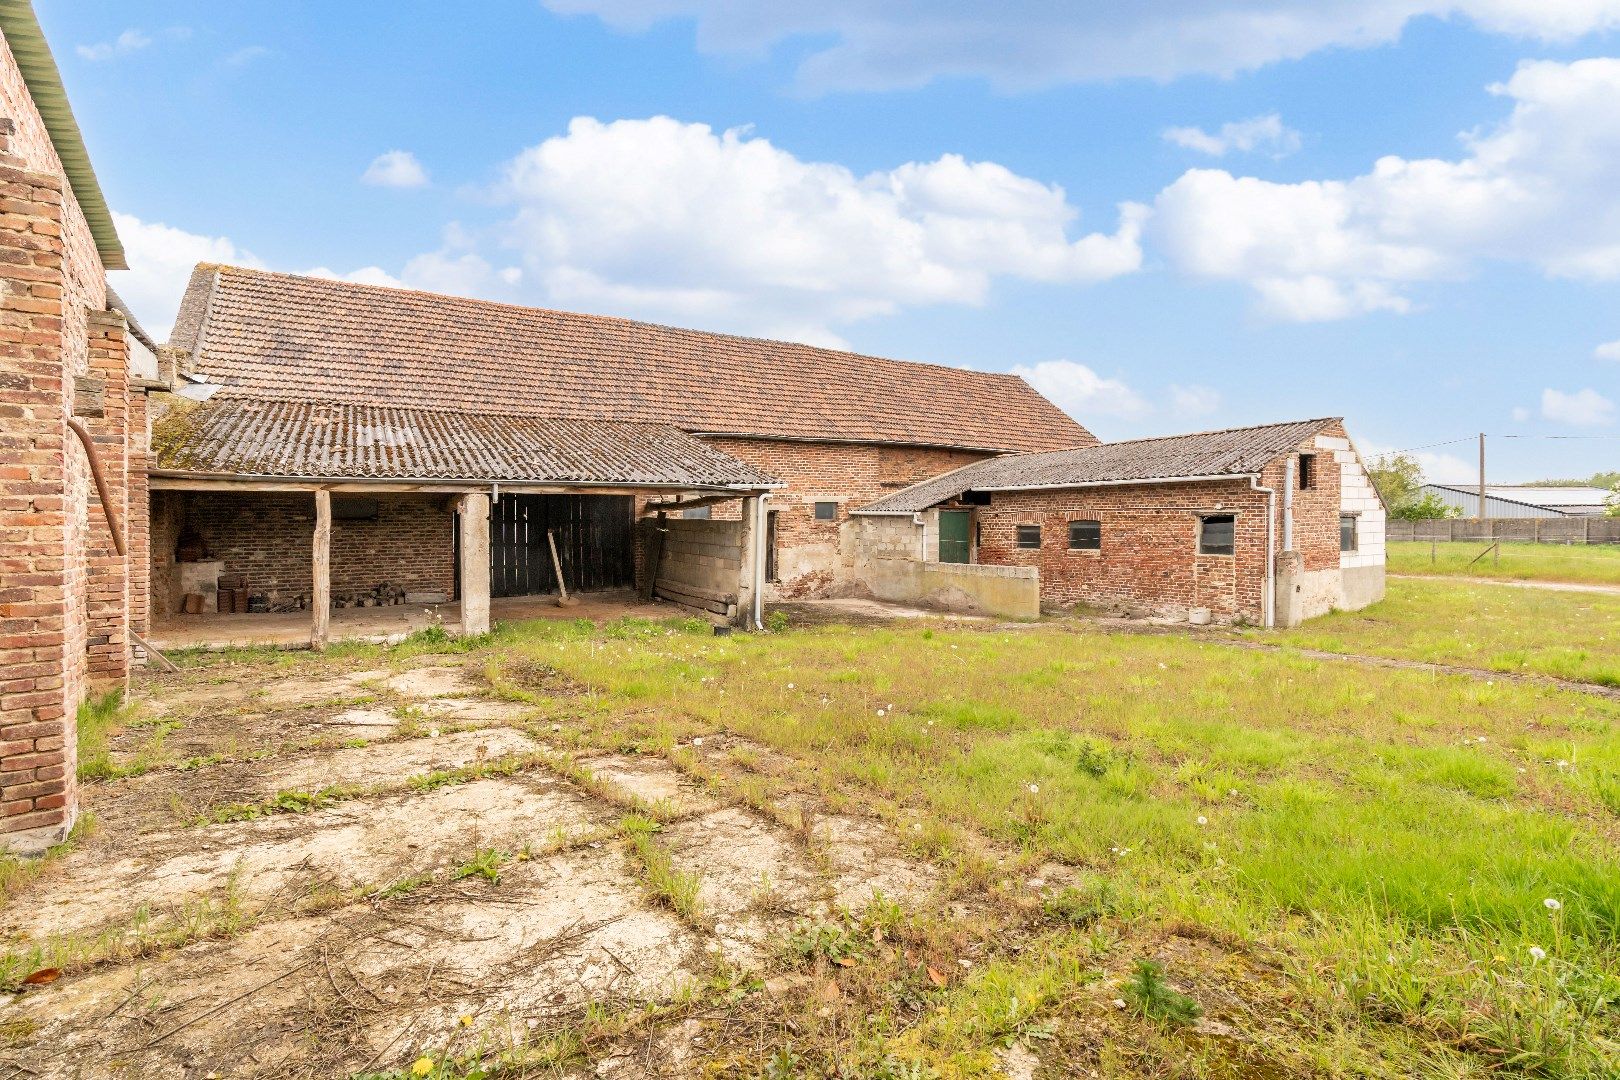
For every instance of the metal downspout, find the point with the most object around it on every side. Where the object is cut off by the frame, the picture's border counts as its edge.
(1268, 617)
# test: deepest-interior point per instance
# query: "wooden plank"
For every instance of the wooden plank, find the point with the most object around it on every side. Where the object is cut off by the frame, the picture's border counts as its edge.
(320, 601)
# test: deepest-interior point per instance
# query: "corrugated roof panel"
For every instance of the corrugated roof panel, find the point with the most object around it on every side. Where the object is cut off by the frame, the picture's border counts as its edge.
(1231, 452)
(234, 436)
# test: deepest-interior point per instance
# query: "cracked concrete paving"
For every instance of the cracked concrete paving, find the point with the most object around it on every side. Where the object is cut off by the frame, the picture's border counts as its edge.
(359, 933)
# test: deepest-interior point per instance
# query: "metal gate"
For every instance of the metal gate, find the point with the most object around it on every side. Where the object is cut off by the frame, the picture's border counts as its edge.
(594, 543)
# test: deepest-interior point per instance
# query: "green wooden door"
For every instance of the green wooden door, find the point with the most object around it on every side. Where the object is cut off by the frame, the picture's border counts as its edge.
(953, 535)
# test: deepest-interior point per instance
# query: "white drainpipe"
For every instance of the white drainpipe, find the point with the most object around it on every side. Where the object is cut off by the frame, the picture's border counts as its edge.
(760, 549)
(1268, 615)
(1288, 502)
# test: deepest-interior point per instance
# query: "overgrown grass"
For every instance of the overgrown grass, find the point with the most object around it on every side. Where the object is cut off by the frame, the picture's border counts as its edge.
(1592, 564)
(1390, 837)
(1569, 635)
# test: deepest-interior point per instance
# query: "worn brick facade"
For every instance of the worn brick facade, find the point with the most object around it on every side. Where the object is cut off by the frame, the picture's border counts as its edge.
(807, 561)
(268, 535)
(59, 596)
(1149, 556)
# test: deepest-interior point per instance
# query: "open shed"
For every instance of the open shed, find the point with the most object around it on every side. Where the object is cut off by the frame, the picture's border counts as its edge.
(306, 505)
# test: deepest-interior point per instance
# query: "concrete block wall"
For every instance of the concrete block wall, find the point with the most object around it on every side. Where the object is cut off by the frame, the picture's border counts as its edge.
(810, 556)
(706, 553)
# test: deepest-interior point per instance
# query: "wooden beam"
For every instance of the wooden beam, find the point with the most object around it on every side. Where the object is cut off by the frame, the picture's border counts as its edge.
(473, 521)
(320, 601)
(428, 487)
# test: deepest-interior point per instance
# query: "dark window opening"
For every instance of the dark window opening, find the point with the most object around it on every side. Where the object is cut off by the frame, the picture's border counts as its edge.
(1029, 536)
(700, 512)
(1217, 535)
(1307, 472)
(974, 498)
(1348, 541)
(355, 509)
(1085, 536)
(826, 511)
(770, 545)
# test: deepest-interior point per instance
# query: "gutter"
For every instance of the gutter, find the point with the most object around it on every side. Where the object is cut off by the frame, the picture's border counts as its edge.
(472, 484)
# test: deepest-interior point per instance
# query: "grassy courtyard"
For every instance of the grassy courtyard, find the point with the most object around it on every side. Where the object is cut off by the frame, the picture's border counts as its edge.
(1568, 635)
(1051, 850)
(1430, 863)
(1594, 564)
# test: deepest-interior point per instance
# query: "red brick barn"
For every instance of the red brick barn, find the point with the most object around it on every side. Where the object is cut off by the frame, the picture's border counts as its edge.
(1270, 524)
(72, 440)
(298, 383)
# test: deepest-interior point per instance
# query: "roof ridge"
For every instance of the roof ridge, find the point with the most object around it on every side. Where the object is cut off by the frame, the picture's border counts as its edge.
(617, 319)
(1212, 431)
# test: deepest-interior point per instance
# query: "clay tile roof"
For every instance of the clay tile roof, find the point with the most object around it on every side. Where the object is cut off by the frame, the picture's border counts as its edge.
(284, 337)
(308, 440)
(1230, 452)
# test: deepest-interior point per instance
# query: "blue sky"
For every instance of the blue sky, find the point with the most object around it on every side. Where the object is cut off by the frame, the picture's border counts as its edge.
(1211, 213)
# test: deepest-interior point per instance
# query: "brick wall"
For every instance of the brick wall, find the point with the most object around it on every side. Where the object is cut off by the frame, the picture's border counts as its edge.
(107, 609)
(50, 280)
(808, 558)
(1149, 556)
(268, 535)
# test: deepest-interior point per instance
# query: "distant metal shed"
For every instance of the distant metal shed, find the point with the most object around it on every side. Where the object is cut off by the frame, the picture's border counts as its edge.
(1512, 501)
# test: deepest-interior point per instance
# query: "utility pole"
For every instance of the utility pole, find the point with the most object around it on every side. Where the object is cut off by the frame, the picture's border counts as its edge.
(1481, 515)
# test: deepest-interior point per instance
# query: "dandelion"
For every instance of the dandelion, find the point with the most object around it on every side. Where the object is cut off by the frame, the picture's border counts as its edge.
(1202, 820)
(698, 741)
(433, 733)
(1034, 789)
(1537, 953)
(880, 712)
(1550, 904)
(790, 686)
(421, 1066)
(466, 1020)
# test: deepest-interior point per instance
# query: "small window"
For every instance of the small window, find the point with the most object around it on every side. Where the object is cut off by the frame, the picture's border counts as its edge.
(1029, 536)
(826, 511)
(697, 512)
(1307, 472)
(1217, 534)
(1348, 540)
(1085, 536)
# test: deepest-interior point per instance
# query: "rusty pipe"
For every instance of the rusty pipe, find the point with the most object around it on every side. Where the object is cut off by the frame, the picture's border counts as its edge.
(101, 484)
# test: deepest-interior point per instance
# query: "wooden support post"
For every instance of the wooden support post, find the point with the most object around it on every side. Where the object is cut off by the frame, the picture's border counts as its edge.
(473, 521)
(320, 600)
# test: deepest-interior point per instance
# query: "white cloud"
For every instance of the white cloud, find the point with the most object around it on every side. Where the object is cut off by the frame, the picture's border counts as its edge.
(131, 40)
(1537, 189)
(1190, 401)
(1581, 408)
(162, 257)
(1081, 392)
(666, 220)
(1438, 467)
(858, 44)
(1267, 133)
(1521, 415)
(395, 169)
(1609, 350)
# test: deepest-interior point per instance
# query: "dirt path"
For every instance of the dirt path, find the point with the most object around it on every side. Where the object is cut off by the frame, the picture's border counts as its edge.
(1549, 586)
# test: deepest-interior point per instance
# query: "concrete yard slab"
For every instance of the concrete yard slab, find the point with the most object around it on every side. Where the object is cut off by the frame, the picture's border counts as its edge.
(279, 859)
(364, 723)
(433, 682)
(328, 994)
(473, 710)
(394, 761)
(653, 780)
